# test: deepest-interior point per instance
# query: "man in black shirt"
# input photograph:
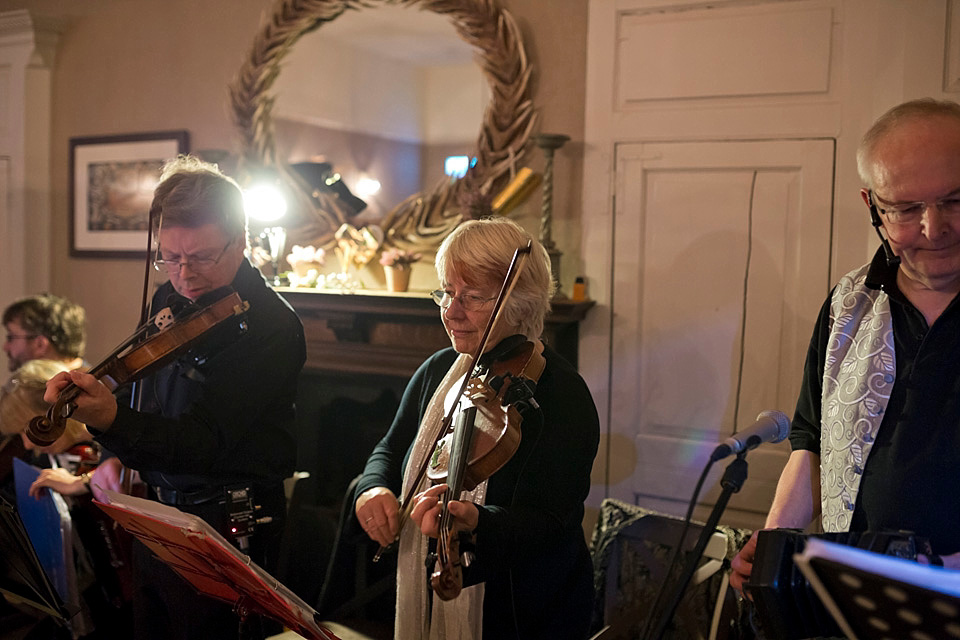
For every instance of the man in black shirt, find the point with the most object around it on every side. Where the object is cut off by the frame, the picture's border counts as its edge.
(875, 437)
(218, 419)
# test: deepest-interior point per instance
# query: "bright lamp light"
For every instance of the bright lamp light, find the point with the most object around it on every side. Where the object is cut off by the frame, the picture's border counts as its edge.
(366, 187)
(264, 203)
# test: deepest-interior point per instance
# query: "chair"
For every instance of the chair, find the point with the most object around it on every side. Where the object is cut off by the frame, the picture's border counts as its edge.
(631, 549)
(308, 538)
(356, 592)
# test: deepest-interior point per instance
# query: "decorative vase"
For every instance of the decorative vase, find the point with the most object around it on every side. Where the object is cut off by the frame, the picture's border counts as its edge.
(398, 277)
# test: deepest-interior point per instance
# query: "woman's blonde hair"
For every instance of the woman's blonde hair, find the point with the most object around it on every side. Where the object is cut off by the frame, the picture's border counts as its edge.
(479, 253)
(21, 398)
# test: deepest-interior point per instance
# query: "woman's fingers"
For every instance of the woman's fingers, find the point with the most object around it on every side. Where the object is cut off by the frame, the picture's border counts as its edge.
(378, 512)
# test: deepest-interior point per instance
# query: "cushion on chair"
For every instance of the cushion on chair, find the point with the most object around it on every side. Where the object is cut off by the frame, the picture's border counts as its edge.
(631, 549)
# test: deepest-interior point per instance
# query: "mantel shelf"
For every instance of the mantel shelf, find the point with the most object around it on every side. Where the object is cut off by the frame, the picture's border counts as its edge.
(386, 333)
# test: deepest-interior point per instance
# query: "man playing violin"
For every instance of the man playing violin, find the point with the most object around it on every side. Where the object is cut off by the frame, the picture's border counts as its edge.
(531, 575)
(219, 418)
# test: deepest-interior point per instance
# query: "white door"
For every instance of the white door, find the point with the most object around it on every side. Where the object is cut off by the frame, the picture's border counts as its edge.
(721, 262)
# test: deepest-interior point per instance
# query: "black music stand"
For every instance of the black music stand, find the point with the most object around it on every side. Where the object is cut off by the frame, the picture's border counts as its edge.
(22, 577)
(212, 565)
(874, 596)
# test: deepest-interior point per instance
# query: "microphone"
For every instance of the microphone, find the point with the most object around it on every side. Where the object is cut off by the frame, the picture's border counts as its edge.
(770, 426)
(892, 258)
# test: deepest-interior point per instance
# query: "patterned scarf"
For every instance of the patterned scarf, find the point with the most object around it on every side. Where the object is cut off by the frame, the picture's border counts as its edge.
(460, 618)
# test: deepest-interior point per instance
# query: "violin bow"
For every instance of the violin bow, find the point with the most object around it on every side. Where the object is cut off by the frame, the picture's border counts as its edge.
(136, 391)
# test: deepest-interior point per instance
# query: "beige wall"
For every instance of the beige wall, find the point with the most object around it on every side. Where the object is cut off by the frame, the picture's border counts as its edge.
(130, 66)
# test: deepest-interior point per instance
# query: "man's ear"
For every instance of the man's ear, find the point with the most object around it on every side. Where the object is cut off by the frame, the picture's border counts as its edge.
(43, 348)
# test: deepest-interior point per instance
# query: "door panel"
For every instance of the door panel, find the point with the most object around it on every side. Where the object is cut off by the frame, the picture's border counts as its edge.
(721, 261)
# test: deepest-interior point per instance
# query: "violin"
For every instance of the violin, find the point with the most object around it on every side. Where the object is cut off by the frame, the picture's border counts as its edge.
(483, 437)
(129, 361)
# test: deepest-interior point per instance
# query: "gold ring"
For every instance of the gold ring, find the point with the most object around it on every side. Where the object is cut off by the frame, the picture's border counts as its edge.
(368, 520)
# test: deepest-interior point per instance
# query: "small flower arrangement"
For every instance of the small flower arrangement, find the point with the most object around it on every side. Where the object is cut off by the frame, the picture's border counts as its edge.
(306, 263)
(306, 254)
(398, 258)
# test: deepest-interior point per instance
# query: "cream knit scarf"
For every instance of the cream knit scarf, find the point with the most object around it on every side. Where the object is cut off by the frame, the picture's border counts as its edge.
(458, 619)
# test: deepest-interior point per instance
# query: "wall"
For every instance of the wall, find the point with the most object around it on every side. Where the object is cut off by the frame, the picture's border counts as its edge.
(148, 65)
(394, 162)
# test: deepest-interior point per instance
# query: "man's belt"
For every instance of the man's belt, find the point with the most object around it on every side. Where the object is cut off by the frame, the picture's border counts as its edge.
(177, 498)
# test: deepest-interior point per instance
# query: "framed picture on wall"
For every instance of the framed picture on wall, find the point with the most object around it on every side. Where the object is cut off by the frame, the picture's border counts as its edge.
(112, 179)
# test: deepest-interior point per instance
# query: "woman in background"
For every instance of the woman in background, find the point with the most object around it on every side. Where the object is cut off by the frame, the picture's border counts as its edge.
(21, 399)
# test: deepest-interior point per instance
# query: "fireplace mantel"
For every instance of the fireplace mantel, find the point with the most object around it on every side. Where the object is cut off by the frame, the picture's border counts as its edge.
(384, 333)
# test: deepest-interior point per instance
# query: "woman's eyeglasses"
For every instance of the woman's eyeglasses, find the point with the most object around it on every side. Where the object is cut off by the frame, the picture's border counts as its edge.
(468, 301)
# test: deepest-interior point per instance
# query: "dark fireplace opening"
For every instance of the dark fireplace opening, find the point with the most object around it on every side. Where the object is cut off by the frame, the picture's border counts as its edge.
(340, 417)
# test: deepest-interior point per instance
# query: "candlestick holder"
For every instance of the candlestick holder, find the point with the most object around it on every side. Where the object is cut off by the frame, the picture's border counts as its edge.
(549, 143)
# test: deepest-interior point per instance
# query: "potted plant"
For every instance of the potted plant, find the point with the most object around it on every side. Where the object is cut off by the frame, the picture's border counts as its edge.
(396, 267)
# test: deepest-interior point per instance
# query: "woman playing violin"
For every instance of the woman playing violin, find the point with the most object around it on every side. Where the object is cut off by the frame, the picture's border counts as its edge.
(531, 575)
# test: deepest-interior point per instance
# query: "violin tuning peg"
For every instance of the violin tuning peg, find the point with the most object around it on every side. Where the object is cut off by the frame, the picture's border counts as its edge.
(467, 558)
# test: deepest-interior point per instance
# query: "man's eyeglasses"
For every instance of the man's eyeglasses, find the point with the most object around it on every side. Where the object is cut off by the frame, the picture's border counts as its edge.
(197, 265)
(911, 212)
(27, 336)
(468, 301)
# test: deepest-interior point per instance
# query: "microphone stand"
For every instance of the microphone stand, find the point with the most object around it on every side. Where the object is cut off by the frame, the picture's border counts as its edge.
(732, 481)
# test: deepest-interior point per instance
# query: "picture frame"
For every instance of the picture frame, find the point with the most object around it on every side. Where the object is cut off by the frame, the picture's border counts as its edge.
(112, 179)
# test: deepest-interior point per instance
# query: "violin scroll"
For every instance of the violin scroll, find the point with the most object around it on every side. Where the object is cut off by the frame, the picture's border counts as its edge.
(447, 578)
(42, 431)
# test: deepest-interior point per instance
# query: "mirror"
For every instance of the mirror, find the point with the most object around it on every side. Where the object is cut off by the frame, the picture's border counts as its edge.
(422, 220)
(381, 95)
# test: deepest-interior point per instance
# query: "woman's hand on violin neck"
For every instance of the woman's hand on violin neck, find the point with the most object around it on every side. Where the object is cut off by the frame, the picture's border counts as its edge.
(378, 511)
(426, 512)
(96, 405)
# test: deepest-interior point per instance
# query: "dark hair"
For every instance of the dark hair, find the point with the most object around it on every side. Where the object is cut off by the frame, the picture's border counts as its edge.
(193, 193)
(57, 319)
